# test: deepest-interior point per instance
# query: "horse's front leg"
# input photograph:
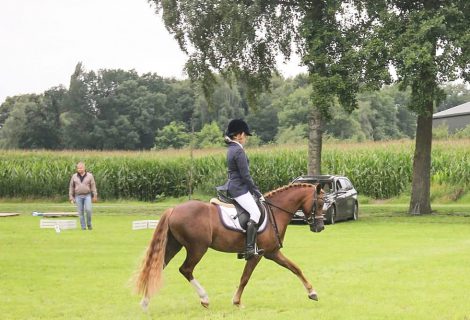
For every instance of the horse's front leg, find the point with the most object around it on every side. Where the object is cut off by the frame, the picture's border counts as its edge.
(247, 271)
(282, 260)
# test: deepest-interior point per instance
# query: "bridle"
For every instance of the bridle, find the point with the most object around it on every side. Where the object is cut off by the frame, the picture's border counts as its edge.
(312, 221)
(314, 208)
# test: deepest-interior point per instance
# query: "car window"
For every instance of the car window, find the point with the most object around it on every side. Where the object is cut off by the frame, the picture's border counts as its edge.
(346, 184)
(327, 187)
(338, 185)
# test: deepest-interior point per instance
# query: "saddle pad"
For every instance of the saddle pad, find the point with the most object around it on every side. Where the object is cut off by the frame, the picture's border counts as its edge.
(230, 221)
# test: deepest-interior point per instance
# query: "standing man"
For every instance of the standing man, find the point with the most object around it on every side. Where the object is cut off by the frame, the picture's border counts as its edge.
(82, 189)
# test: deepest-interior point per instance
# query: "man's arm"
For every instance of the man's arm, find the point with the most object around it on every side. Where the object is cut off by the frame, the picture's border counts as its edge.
(93, 188)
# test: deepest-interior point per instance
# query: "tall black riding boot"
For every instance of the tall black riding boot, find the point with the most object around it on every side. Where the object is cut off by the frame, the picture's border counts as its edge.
(251, 247)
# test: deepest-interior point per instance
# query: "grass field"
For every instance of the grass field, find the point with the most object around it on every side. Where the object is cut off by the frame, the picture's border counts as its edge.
(387, 265)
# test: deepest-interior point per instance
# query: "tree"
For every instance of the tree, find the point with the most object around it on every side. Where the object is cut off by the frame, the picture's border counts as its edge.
(244, 38)
(427, 42)
(173, 135)
(33, 121)
(180, 102)
(6, 108)
(229, 102)
(382, 114)
(11, 133)
(210, 136)
(456, 94)
(78, 120)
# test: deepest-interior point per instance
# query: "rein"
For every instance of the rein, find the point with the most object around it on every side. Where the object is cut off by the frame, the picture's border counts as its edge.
(274, 223)
(282, 209)
(310, 220)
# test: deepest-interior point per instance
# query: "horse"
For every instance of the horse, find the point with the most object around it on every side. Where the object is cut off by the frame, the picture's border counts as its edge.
(196, 226)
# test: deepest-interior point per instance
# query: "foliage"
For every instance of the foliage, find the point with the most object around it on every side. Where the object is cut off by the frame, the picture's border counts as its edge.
(292, 135)
(441, 132)
(173, 135)
(463, 133)
(210, 136)
(32, 121)
(456, 94)
(427, 44)
(116, 109)
(377, 170)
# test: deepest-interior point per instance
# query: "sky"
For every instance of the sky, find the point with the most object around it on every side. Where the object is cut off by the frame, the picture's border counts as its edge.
(41, 41)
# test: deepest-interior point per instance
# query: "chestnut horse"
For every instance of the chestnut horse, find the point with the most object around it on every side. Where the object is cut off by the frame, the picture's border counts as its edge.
(196, 226)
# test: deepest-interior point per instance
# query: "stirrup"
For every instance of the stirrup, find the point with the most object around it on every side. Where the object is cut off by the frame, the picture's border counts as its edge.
(255, 253)
(247, 255)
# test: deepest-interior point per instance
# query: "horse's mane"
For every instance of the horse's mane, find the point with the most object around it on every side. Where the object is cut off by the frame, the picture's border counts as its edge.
(289, 186)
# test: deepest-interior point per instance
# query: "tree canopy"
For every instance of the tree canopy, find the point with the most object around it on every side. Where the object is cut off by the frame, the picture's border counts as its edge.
(428, 44)
(130, 111)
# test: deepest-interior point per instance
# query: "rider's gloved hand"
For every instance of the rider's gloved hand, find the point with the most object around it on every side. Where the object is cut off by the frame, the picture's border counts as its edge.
(262, 199)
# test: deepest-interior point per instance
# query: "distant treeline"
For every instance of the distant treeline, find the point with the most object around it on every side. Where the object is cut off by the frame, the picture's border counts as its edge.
(122, 110)
(378, 170)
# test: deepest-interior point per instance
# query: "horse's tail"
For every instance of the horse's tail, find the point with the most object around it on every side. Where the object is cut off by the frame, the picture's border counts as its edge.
(149, 279)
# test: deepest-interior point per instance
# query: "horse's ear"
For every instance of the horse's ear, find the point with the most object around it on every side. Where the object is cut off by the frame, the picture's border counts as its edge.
(318, 188)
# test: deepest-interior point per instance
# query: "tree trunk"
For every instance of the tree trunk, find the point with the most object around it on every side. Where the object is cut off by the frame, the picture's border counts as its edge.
(315, 137)
(420, 189)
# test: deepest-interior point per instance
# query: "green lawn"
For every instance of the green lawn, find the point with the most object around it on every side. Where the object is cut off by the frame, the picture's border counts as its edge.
(387, 265)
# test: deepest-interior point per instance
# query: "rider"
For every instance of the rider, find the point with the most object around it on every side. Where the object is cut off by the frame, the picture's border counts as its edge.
(240, 185)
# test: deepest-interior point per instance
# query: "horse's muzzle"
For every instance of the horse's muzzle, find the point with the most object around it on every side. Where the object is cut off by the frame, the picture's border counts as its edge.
(317, 225)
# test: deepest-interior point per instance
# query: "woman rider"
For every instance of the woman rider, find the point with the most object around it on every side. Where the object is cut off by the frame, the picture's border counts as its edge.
(240, 185)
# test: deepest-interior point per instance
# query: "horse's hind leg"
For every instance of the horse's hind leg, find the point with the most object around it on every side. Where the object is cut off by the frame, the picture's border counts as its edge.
(282, 260)
(247, 271)
(193, 256)
(172, 248)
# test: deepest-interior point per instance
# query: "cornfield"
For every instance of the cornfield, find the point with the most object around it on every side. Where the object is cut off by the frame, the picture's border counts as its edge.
(378, 170)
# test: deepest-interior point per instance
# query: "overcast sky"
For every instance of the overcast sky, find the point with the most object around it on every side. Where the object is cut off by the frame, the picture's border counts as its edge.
(42, 41)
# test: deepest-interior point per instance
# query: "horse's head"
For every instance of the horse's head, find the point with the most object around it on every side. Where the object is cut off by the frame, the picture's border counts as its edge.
(312, 208)
(300, 196)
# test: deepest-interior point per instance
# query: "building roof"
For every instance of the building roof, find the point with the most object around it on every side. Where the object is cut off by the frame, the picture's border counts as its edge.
(459, 110)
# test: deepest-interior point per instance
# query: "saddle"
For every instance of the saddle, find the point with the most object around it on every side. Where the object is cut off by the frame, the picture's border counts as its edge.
(232, 215)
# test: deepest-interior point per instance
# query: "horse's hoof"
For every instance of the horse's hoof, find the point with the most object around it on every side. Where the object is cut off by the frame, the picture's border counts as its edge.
(205, 304)
(238, 305)
(313, 296)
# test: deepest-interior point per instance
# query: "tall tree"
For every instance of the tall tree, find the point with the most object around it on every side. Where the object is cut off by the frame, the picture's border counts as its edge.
(428, 43)
(244, 38)
(79, 119)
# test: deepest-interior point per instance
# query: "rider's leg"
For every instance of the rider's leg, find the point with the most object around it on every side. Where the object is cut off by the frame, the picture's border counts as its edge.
(249, 204)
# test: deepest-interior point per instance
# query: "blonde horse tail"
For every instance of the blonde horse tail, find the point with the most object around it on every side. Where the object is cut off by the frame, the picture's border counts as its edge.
(149, 280)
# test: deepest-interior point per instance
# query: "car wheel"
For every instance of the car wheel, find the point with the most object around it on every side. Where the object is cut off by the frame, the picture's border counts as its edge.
(355, 215)
(332, 216)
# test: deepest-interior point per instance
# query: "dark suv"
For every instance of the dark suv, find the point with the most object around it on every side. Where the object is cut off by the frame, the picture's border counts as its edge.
(340, 197)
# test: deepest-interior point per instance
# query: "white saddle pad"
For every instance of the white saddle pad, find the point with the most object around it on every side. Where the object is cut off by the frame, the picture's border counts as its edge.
(228, 216)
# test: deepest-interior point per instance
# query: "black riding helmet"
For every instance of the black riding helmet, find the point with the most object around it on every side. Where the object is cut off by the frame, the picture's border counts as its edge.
(236, 126)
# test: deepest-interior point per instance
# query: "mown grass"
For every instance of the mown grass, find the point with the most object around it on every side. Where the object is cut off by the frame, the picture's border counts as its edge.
(387, 265)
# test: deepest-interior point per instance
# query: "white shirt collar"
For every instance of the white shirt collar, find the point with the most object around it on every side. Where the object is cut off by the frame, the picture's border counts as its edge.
(226, 137)
(238, 143)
